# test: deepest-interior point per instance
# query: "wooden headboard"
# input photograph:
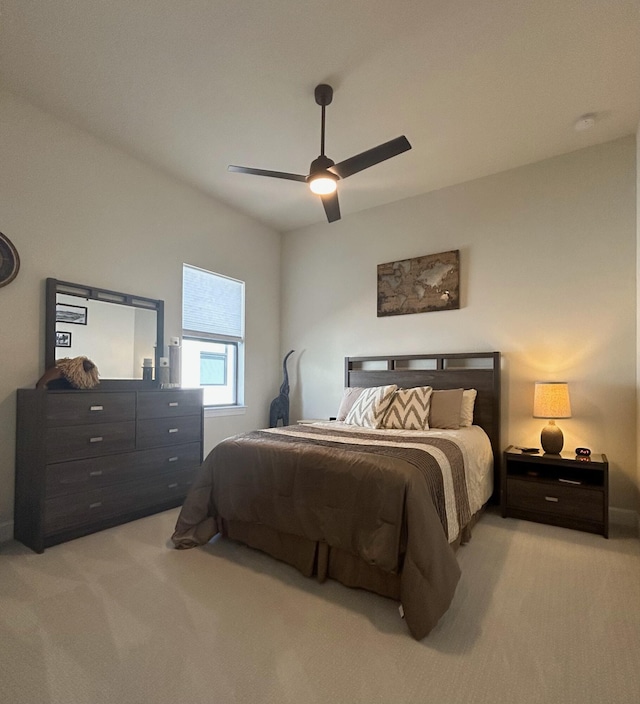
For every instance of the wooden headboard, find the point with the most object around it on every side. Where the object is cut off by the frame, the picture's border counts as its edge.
(473, 370)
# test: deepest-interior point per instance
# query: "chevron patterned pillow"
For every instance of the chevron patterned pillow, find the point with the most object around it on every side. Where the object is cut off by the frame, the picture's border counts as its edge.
(370, 407)
(409, 409)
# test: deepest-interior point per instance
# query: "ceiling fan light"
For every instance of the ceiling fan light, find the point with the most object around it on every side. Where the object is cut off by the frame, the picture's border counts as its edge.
(322, 185)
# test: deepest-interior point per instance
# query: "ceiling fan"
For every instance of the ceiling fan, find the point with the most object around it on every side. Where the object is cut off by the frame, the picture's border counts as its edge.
(324, 173)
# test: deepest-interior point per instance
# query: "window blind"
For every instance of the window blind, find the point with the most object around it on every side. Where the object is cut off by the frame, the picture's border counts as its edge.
(212, 305)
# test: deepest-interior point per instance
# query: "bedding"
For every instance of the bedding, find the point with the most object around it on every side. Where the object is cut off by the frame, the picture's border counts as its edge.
(409, 409)
(374, 508)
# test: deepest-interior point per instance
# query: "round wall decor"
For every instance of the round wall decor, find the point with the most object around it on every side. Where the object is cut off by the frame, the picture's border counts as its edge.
(9, 261)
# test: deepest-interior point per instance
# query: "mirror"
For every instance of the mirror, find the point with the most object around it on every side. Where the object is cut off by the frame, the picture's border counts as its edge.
(117, 331)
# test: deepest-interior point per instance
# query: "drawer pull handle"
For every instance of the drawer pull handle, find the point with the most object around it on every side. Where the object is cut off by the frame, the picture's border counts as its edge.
(173, 459)
(96, 473)
(96, 439)
(173, 403)
(97, 504)
(553, 499)
(173, 430)
(172, 486)
(96, 408)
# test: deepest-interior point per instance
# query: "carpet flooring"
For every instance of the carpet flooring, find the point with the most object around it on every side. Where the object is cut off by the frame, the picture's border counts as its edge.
(541, 615)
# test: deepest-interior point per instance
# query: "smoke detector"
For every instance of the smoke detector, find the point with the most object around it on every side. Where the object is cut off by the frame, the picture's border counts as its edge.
(585, 122)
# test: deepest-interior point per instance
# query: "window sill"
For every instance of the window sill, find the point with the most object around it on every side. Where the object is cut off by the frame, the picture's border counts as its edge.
(215, 411)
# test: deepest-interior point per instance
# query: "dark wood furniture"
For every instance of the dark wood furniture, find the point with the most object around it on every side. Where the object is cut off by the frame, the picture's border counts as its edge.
(466, 370)
(562, 490)
(88, 460)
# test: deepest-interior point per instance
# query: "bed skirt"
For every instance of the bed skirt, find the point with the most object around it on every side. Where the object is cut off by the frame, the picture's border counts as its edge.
(320, 560)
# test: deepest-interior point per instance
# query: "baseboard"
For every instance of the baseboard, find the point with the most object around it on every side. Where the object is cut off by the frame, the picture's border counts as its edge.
(625, 517)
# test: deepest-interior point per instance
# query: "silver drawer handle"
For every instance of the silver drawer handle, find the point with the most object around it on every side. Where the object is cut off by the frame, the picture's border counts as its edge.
(96, 473)
(553, 499)
(98, 439)
(97, 504)
(173, 403)
(173, 430)
(172, 459)
(172, 486)
(97, 408)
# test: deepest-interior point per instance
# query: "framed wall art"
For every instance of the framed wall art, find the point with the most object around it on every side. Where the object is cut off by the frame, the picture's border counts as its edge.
(63, 339)
(419, 285)
(66, 313)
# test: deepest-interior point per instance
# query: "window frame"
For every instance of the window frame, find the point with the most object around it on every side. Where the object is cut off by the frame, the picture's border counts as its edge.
(235, 341)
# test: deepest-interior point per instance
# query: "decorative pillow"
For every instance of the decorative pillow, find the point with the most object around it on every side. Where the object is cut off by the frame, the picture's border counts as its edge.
(348, 399)
(445, 409)
(409, 409)
(369, 408)
(466, 410)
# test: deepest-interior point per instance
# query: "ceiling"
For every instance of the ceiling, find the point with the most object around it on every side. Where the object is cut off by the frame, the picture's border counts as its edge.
(190, 86)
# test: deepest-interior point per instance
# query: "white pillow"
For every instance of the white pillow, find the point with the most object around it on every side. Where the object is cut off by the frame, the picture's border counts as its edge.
(409, 409)
(370, 407)
(466, 409)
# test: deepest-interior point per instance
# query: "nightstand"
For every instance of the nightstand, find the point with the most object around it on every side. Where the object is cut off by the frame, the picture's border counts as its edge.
(558, 489)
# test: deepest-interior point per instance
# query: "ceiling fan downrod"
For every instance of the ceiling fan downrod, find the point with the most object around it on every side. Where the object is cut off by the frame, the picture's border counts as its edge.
(324, 95)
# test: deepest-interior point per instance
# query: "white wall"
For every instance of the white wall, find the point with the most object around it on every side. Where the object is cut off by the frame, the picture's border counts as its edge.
(79, 210)
(548, 278)
(638, 317)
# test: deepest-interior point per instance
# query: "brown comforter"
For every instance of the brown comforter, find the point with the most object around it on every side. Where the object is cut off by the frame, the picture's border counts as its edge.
(382, 504)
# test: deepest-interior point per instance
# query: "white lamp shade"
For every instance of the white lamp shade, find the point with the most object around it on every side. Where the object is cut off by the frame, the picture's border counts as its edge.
(551, 400)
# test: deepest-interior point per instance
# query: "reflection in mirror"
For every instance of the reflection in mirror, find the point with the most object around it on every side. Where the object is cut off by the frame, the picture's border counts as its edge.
(117, 338)
(117, 331)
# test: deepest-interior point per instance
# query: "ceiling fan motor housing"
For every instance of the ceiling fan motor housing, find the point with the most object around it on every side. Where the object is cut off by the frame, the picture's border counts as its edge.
(321, 166)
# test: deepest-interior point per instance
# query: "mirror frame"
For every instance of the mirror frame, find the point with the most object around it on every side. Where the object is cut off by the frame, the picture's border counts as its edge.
(55, 286)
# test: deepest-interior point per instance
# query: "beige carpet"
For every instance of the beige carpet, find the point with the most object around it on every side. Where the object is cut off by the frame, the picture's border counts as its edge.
(541, 615)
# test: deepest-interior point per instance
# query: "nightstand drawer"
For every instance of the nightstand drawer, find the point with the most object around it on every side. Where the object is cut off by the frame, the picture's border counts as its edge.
(554, 498)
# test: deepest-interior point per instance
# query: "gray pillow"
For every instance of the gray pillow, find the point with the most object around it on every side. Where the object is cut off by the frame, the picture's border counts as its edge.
(348, 399)
(445, 409)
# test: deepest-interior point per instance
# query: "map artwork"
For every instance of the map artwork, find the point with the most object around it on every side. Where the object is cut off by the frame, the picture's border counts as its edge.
(419, 285)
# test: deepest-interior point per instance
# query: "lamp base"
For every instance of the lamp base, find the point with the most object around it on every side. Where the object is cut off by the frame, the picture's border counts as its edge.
(552, 439)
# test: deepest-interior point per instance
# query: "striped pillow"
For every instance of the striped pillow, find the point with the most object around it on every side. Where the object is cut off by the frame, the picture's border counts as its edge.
(409, 409)
(370, 407)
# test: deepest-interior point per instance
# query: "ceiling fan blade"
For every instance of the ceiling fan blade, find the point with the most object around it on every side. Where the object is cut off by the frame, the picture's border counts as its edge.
(263, 172)
(331, 206)
(371, 157)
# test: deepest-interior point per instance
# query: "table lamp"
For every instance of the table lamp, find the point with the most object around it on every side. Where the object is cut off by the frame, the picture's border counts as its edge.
(551, 401)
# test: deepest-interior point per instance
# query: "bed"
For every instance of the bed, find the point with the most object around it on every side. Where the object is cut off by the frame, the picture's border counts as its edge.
(378, 509)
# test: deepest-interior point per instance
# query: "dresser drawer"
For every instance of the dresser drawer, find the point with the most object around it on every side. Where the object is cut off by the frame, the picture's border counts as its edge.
(167, 404)
(86, 475)
(549, 497)
(81, 407)
(78, 441)
(84, 509)
(168, 431)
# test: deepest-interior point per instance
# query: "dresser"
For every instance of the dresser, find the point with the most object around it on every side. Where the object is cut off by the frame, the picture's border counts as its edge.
(89, 460)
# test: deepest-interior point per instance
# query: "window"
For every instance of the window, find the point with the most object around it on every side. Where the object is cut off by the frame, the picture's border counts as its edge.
(212, 335)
